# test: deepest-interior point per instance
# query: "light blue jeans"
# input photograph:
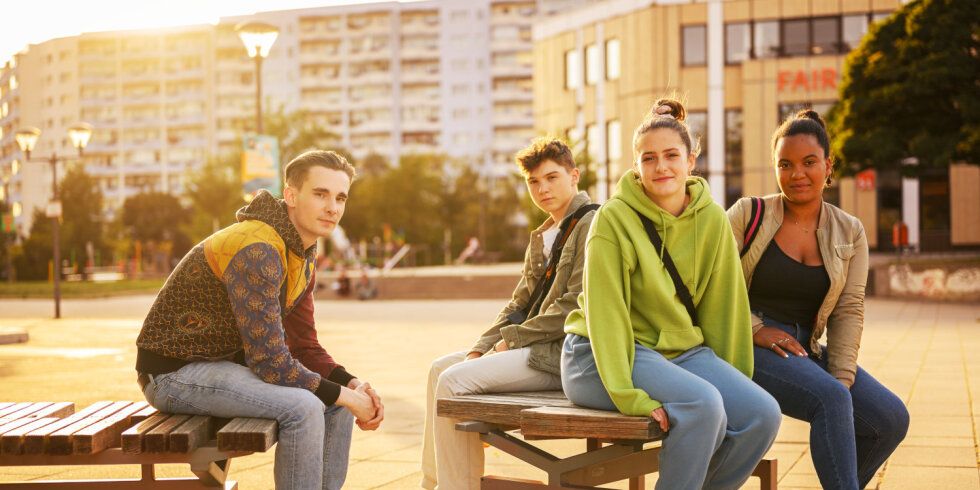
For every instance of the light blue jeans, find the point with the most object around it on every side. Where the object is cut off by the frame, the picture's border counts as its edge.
(314, 440)
(721, 423)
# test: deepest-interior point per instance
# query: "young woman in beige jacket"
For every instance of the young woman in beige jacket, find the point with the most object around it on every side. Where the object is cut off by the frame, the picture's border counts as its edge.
(806, 270)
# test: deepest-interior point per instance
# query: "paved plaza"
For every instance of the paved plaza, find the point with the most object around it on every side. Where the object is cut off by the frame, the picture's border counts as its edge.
(928, 353)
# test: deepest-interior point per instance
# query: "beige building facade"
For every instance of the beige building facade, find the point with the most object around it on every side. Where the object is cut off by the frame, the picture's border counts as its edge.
(741, 67)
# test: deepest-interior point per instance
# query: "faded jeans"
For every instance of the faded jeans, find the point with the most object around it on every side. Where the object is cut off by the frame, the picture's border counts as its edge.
(314, 440)
(852, 431)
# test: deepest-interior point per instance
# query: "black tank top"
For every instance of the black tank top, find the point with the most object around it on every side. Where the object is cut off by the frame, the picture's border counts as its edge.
(786, 290)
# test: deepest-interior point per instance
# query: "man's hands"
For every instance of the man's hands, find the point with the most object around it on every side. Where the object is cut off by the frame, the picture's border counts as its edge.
(500, 346)
(363, 401)
(660, 415)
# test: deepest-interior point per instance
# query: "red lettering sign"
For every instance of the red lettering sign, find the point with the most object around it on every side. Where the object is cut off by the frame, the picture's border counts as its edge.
(822, 79)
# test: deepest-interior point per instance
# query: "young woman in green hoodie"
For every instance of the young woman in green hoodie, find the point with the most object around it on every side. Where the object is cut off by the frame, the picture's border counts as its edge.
(633, 347)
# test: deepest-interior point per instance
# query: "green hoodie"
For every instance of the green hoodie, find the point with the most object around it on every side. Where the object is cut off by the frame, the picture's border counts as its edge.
(628, 295)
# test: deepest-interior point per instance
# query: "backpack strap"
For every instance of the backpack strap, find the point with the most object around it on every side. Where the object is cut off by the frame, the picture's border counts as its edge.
(675, 276)
(537, 296)
(755, 222)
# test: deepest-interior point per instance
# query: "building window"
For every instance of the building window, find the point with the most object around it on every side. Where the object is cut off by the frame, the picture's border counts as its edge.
(826, 35)
(733, 156)
(791, 108)
(614, 141)
(593, 64)
(593, 134)
(612, 59)
(766, 39)
(854, 28)
(738, 42)
(697, 122)
(694, 40)
(877, 16)
(796, 37)
(573, 69)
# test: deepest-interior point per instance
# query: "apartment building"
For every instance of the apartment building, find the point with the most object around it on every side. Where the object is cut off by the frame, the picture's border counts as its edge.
(390, 78)
(742, 66)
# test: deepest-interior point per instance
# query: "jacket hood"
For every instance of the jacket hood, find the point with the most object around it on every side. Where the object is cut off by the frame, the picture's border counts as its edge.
(630, 191)
(271, 211)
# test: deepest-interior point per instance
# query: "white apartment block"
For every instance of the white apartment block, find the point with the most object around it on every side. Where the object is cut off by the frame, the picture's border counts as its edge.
(390, 78)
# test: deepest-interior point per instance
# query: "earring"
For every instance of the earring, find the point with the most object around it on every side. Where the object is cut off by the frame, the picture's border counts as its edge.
(829, 181)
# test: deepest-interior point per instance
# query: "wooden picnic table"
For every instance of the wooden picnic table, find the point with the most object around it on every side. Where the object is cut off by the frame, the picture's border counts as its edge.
(124, 432)
(618, 447)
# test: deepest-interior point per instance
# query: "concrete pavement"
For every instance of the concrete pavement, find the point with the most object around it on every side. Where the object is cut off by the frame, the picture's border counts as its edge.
(928, 353)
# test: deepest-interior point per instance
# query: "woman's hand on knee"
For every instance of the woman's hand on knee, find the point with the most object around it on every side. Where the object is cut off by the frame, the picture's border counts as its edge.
(778, 341)
(660, 415)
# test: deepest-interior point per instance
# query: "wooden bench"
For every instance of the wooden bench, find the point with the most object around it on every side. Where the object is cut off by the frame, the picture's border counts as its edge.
(122, 433)
(614, 442)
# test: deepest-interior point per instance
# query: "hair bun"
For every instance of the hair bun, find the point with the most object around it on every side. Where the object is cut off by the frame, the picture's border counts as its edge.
(669, 107)
(811, 114)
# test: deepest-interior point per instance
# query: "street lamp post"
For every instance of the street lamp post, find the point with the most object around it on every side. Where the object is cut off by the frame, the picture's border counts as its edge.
(258, 38)
(27, 140)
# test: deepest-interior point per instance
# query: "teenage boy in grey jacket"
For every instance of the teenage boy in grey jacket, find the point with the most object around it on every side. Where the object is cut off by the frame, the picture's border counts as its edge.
(515, 354)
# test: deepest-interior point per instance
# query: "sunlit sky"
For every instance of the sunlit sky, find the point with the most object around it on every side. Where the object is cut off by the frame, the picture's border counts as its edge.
(36, 21)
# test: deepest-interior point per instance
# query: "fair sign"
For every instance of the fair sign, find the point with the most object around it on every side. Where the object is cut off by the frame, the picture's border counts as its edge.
(260, 164)
(807, 80)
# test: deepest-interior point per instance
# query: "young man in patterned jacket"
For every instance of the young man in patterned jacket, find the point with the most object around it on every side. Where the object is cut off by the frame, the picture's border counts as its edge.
(522, 349)
(231, 333)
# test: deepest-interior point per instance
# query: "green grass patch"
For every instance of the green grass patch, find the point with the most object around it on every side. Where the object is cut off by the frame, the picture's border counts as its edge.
(78, 289)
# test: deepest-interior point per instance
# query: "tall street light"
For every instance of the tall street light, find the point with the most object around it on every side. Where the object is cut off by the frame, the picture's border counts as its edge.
(258, 39)
(27, 140)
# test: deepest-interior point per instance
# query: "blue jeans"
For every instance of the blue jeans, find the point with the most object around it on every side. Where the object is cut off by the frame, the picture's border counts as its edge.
(314, 440)
(721, 424)
(852, 432)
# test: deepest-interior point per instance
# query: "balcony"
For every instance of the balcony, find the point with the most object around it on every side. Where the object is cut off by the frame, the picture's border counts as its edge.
(513, 119)
(420, 125)
(370, 54)
(508, 146)
(99, 147)
(512, 94)
(509, 70)
(370, 77)
(188, 74)
(420, 52)
(186, 120)
(372, 126)
(510, 45)
(320, 57)
(98, 101)
(421, 76)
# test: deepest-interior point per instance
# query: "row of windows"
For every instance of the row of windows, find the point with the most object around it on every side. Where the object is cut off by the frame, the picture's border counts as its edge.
(593, 69)
(779, 38)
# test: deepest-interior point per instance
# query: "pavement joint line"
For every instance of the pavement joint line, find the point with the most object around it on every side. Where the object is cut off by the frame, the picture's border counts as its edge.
(799, 458)
(969, 397)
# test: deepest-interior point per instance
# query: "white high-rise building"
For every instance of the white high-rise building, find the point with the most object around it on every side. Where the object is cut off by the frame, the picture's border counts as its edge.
(389, 78)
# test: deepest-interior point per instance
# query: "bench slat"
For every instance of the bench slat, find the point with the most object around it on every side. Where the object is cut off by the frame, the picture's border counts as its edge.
(24, 412)
(198, 430)
(499, 408)
(12, 442)
(144, 414)
(132, 438)
(105, 433)
(580, 422)
(155, 441)
(13, 407)
(36, 441)
(60, 441)
(248, 434)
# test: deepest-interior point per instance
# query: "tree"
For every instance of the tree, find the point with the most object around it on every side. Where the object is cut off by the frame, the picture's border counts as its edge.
(31, 259)
(155, 220)
(298, 132)
(910, 90)
(214, 193)
(82, 221)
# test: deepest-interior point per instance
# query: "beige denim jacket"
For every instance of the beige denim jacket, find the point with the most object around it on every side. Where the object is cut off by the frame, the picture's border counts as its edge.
(844, 249)
(545, 331)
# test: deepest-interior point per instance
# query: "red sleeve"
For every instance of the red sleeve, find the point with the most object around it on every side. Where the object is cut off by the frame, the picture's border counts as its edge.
(304, 346)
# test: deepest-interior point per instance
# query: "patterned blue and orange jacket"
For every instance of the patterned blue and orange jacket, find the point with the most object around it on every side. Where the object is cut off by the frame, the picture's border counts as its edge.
(244, 294)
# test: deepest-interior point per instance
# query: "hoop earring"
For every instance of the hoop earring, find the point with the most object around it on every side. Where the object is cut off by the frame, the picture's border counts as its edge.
(830, 181)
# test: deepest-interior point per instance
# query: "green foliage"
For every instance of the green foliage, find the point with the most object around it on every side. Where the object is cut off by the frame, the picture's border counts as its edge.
(156, 217)
(82, 221)
(36, 251)
(424, 196)
(214, 193)
(298, 132)
(910, 90)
